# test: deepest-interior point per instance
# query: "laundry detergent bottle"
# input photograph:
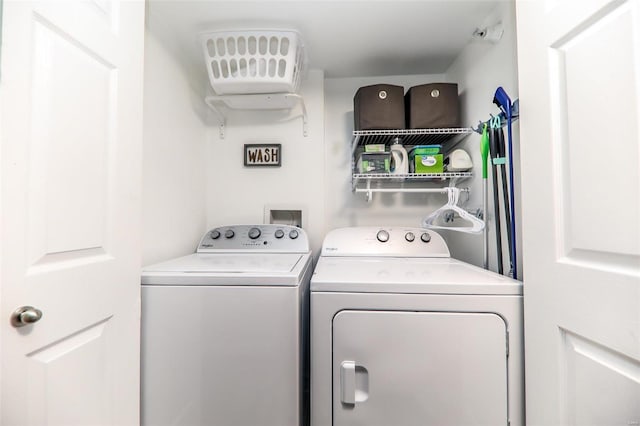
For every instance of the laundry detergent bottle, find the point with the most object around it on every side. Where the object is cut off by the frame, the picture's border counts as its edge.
(399, 158)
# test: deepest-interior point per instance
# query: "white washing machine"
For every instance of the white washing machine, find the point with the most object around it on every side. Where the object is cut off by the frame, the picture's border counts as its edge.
(224, 338)
(404, 335)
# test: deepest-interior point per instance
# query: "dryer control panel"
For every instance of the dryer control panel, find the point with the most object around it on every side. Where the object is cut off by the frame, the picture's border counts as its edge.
(385, 242)
(254, 238)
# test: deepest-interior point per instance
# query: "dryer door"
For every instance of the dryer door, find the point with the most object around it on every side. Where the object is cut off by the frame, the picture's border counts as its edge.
(419, 368)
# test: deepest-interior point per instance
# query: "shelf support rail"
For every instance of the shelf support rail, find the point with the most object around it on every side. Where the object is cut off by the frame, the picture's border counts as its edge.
(369, 191)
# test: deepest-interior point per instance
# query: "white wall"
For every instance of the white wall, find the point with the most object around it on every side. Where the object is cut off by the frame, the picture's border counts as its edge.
(173, 186)
(196, 180)
(238, 195)
(479, 70)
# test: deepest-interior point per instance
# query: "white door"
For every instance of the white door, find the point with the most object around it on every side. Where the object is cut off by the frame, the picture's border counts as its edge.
(579, 72)
(71, 86)
(419, 368)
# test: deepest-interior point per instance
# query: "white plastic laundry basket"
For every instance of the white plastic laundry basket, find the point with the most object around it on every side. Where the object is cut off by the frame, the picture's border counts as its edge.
(253, 61)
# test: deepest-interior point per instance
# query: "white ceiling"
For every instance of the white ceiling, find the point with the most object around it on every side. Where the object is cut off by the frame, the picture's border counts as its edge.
(344, 38)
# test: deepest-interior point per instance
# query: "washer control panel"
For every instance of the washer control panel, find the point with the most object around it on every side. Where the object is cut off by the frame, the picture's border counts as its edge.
(384, 241)
(270, 238)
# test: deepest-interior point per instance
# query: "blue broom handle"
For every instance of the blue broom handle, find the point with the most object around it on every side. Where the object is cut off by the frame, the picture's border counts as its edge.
(514, 258)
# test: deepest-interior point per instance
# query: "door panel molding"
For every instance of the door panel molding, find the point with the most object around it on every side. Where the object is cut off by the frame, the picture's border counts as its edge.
(590, 365)
(615, 263)
(70, 169)
(589, 129)
(60, 347)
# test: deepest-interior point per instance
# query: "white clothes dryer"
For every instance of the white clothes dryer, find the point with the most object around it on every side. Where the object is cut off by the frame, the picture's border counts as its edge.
(404, 335)
(224, 331)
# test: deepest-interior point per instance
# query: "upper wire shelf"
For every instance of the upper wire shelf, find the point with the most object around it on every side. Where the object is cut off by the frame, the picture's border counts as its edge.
(411, 176)
(409, 136)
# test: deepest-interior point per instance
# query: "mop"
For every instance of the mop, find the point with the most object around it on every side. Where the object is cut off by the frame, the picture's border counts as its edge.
(493, 149)
(501, 162)
(502, 100)
(484, 152)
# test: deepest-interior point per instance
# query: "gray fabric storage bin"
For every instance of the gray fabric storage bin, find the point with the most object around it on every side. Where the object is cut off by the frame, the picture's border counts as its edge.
(433, 105)
(379, 107)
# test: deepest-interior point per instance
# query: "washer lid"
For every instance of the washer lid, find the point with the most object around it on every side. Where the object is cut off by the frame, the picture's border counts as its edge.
(229, 269)
(408, 275)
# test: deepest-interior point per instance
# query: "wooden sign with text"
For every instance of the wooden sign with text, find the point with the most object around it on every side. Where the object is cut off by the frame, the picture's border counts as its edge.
(262, 155)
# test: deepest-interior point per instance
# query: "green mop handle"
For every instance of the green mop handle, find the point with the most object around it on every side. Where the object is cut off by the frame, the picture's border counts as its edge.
(484, 150)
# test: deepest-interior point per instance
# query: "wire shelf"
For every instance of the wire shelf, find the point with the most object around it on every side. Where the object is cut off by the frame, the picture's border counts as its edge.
(387, 182)
(410, 176)
(409, 136)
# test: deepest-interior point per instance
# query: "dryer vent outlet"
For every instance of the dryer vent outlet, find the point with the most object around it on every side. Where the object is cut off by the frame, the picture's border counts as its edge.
(283, 216)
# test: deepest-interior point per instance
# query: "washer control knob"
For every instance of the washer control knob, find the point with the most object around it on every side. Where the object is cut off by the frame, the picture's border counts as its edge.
(254, 233)
(409, 236)
(279, 233)
(229, 233)
(425, 237)
(215, 234)
(382, 236)
(293, 234)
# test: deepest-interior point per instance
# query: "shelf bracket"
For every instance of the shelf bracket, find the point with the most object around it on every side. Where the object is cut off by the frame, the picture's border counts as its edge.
(354, 145)
(222, 120)
(267, 101)
(305, 120)
(369, 195)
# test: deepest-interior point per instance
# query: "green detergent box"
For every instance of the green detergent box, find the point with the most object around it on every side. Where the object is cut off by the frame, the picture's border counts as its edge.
(426, 159)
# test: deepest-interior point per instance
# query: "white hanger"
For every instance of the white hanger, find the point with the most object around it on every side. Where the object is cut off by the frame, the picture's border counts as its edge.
(453, 195)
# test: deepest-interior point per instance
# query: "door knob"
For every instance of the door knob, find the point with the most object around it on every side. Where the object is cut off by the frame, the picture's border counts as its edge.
(25, 315)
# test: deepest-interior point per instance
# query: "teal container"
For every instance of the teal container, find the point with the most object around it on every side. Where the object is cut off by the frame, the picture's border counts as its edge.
(426, 150)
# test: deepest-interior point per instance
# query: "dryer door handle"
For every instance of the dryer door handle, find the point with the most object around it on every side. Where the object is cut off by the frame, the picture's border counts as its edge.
(348, 382)
(354, 383)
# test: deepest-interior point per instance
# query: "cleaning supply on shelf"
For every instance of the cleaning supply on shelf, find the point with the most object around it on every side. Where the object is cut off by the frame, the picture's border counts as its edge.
(458, 160)
(375, 147)
(374, 162)
(399, 158)
(426, 159)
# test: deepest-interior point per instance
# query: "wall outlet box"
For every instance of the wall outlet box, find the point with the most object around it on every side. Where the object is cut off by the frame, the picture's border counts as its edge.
(285, 215)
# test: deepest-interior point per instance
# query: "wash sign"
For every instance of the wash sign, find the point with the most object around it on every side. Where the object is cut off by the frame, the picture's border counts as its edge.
(258, 155)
